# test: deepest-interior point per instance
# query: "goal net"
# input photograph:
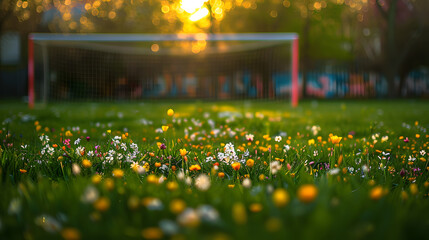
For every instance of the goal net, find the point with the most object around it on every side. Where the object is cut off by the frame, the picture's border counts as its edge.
(126, 67)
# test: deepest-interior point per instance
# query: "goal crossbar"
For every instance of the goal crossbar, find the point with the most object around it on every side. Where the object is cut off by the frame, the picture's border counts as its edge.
(52, 37)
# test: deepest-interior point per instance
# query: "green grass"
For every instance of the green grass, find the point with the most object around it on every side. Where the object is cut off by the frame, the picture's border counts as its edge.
(373, 184)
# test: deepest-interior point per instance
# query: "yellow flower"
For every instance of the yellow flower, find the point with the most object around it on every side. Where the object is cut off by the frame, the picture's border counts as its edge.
(195, 167)
(102, 204)
(109, 184)
(414, 189)
(250, 163)
(96, 179)
(158, 164)
(86, 163)
(164, 128)
(152, 179)
(255, 207)
(69, 134)
(183, 152)
(172, 186)
(221, 175)
(311, 142)
(177, 206)
(170, 112)
(118, 173)
(335, 139)
(236, 166)
(70, 234)
(280, 197)
(307, 193)
(376, 193)
(152, 233)
(239, 213)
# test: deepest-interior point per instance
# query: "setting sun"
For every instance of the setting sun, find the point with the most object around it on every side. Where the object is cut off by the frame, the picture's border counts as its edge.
(190, 6)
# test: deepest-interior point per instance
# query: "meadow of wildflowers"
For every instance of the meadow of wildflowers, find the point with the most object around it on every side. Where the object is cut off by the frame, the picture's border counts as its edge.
(222, 170)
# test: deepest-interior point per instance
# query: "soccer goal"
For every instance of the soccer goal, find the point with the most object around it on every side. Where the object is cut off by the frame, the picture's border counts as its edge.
(126, 67)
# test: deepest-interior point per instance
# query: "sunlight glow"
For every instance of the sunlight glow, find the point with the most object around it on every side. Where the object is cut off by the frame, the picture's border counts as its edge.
(201, 13)
(190, 6)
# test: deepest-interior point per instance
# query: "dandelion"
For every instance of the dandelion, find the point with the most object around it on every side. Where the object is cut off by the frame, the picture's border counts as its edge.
(202, 182)
(307, 193)
(170, 112)
(278, 138)
(280, 197)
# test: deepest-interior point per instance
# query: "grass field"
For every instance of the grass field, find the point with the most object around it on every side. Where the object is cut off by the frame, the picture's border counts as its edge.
(215, 170)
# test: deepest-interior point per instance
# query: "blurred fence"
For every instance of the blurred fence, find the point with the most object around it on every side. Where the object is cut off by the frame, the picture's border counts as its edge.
(343, 84)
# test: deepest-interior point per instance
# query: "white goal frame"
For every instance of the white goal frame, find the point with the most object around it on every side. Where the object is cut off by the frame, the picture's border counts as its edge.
(46, 37)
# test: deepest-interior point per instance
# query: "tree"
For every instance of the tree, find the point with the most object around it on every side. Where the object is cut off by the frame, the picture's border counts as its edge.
(401, 27)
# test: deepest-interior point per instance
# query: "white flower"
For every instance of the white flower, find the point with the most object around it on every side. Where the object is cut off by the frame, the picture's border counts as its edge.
(14, 206)
(287, 147)
(315, 153)
(90, 194)
(208, 213)
(90, 154)
(422, 152)
(77, 141)
(411, 159)
(278, 138)
(188, 218)
(384, 139)
(202, 182)
(75, 169)
(188, 181)
(79, 150)
(249, 137)
(161, 179)
(334, 171)
(275, 167)
(247, 183)
(51, 151)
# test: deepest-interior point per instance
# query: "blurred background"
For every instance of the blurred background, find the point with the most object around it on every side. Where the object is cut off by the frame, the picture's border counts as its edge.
(347, 48)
